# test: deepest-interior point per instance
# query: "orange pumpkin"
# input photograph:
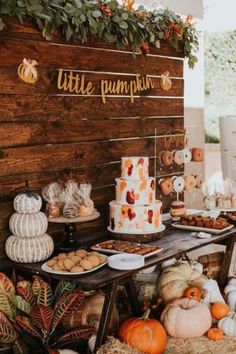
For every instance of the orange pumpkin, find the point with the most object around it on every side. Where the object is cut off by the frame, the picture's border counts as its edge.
(146, 335)
(215, 334)
(193, 293)
(219, 310)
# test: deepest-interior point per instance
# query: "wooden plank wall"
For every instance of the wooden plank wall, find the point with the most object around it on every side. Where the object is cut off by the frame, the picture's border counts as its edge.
(42, 132)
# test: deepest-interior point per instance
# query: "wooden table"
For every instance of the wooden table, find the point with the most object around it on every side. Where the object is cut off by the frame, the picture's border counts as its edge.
(174, 242)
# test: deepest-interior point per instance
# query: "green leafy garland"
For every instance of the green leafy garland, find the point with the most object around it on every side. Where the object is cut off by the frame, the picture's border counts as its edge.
(110, 21)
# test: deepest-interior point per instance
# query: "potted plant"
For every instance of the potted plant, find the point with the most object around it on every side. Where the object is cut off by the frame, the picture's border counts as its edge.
(31, 315)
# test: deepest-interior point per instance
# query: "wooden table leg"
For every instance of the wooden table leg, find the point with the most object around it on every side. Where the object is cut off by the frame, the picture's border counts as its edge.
(226, 261)
(133, 297)
(106, 313)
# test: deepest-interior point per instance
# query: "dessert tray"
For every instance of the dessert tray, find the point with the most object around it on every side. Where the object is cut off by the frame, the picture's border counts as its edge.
(204, 229)
(117, 247)
(78, 263)
(48, 269)
(63, 220)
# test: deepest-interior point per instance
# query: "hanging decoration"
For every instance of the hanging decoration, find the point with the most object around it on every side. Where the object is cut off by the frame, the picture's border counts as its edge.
(27, 71)
(166, 82)
(123, 25)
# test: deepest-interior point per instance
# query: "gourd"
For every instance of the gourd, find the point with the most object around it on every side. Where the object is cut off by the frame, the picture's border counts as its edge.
(219, 310)
(90, 312)
(29, 250)
(230, 293)
(228, 325)
(28, 225)
(186, 318)
(27, 202)
(176, 279)
(212, 292)
(146, 335)
(215, 334)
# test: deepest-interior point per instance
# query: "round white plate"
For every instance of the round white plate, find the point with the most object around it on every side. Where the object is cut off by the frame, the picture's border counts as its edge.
(48, 269)
(126, 261)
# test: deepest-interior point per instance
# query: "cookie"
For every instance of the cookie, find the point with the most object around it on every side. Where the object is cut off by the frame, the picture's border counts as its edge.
(77, 269)
(61, 264)
(81, 253)
(62, 256)
(70, 254)
(56, 266)
(68, 263)
(86, 264)
(51, 262)
(102, 259)
(94, 260)
(76, 259)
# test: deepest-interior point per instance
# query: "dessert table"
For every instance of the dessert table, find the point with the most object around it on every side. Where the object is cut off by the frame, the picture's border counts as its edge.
(174, 243)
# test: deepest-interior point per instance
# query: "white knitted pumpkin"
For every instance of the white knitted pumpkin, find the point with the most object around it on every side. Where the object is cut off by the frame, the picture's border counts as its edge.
(29, 250)
(27, 202)
(28, 225)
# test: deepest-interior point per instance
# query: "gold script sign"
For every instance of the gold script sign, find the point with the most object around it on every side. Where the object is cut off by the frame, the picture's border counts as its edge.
(74, 82)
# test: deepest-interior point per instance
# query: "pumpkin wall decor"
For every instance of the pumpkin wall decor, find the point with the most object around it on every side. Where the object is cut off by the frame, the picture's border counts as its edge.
(176, 279)
(29, 242)
(215, 334)
(146, 335)
(186, 318)
(230, 293)
(27, 71)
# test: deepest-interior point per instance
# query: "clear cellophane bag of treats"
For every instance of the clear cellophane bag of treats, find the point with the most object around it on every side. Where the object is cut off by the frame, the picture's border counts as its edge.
(51, 193)
(86, 207)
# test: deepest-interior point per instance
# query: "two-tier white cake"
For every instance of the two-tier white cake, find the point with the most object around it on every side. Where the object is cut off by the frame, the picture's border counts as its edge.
(135, 210)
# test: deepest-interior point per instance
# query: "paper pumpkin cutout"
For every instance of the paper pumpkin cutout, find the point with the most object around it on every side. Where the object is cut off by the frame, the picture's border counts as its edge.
(27, 71)
(166, 82)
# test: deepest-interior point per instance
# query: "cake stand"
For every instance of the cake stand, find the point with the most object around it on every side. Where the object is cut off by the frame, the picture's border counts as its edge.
(138, 237)
(69, 242)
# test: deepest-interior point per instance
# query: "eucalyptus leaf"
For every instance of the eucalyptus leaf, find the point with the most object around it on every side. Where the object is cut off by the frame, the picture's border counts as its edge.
(123, 24)
(96, 13)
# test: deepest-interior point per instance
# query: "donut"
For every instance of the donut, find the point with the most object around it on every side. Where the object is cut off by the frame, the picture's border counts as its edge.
(178, 157)
(198, 180)
(178, 184)
(166, 185)
(187, 155)
(159, 158)
(197, 154)
(167, 158)
(190, 183)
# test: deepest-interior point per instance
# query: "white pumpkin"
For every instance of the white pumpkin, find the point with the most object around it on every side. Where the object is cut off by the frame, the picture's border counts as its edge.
(230, 293)
(228, 325)
(212, 292)
(92, 342)
(27, 202)
(174, 280)
(28, 225)
(186, 318)
(29, 250)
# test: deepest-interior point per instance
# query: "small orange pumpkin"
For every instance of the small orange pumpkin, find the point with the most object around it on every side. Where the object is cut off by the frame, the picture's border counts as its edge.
(219, 310)
(193, 293)
(215, 334)
(146, 335)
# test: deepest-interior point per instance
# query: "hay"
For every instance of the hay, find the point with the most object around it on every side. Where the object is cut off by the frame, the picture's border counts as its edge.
(114, 346)
(201, 345)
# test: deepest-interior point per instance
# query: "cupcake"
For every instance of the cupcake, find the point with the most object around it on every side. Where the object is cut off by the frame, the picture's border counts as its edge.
(177, 209)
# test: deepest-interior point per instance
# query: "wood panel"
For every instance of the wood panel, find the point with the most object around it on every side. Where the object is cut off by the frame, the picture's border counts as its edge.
(58, 156)
(85, 58)
(43, 132)
(74, 130)
(45, 107)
